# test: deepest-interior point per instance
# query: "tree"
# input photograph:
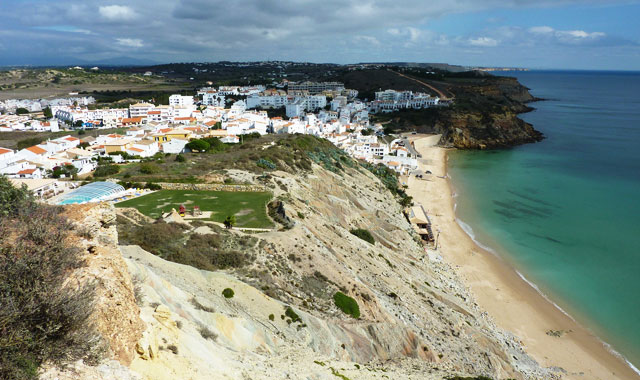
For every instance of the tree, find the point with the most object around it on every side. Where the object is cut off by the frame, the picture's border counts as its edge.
(22, 111)
(406, 201)
(12, 199)
(47, 112)
(230, 221)
(78, 123)
(198, 145)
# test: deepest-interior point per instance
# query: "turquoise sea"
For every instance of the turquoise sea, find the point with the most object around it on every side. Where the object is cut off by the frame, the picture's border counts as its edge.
(566, 211)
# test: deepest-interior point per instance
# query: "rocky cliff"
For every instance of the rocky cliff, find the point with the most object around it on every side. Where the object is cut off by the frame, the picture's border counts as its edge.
(483, 114)
(416, 319)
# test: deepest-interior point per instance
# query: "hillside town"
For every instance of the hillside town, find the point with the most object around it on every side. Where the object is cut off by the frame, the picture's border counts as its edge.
(326, 110)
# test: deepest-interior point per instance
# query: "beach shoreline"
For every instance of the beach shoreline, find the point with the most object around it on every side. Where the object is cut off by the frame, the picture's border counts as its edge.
(514, 303)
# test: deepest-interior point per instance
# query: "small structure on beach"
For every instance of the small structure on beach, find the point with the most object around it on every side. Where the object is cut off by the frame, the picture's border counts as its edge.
(420, 222)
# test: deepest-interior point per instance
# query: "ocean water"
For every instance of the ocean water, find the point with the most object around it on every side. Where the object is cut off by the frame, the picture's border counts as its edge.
(566, 211)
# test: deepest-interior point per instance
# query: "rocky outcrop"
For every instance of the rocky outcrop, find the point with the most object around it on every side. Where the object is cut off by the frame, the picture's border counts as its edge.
(116, 314)
(483, 115)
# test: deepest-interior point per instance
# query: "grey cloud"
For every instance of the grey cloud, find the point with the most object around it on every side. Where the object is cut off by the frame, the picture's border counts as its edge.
(329, 30)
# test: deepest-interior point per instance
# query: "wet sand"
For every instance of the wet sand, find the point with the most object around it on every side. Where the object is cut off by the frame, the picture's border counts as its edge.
(513, 304)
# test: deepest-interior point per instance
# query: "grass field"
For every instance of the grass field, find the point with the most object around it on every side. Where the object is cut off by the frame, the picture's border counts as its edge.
(249, 208)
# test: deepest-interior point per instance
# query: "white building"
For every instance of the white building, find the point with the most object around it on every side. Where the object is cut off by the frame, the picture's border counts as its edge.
(295, 109)
(180, 100)
(174, 146)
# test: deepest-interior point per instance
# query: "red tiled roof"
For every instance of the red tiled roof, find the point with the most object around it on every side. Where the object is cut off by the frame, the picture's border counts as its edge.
(3, 150)
(27, 171)
(70, 138)
(36, 149)
(136, 149)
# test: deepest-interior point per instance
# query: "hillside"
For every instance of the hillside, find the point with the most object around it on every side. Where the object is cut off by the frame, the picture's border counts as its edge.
(281, 317)
(484, 113)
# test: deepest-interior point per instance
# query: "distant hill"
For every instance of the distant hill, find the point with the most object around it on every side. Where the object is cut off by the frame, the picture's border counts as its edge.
(424, 65)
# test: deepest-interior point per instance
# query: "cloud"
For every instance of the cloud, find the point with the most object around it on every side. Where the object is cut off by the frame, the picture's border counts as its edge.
(367, 39)
(572, 37)
(130, 42)
(117, 13)
(483, 42)
(541, 29)
(336, 30)
(64, 29)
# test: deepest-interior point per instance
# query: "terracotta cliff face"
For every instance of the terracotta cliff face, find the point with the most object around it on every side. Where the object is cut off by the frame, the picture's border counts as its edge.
(116, 314)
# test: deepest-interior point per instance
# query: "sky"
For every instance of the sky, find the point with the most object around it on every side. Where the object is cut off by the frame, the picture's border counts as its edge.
(542, 34)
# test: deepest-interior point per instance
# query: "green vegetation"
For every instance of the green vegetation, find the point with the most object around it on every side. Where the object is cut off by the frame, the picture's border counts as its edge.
(390, 179)
(249, 208)
(272, 317)
(172, 242)
(198, 145)
(22, 111)
(337, 374)
(180, 158)
(40, 319)
(47, 112)
(347, 304)
(67, 170)
(292, 315)
(106, 170)
(364, 235)
(228, 293)
(229, 221)
(265, 164)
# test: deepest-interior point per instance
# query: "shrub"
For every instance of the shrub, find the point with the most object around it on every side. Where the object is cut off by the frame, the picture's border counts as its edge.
(13, 199)
(40, 319)
(152, 186)
(106, 170)
(228, 293)
(265, 164)
(347, 304)
(180, 158)
(200, 306)
(292, 314)
(364, 235)
(230, 221)
(272, 317)
(173, 348)
(149, 168)
(206, 333)
(198, 145)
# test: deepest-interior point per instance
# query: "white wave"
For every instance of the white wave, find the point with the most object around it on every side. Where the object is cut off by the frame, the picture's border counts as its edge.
(469, 231)
(605, 344)
(544, 295)
(619, 355)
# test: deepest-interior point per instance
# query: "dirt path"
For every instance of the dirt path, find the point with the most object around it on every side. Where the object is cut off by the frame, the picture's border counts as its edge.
(440, 93)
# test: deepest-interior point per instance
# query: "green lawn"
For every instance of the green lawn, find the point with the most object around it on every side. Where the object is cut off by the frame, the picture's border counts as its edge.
(248, 207)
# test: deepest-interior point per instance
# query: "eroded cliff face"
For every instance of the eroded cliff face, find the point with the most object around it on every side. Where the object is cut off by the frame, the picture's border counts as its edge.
(484, 115)
(417, 320)
(116, 316)
(493, 121)
(478, 131)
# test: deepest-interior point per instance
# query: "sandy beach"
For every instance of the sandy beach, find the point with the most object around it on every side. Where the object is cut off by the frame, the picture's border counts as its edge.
(513, 304)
